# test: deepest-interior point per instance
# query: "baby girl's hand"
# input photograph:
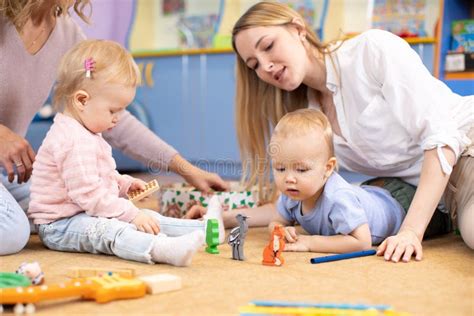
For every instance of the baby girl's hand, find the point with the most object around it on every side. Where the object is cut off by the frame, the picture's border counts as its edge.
(137, 184)
(147, 224)
(290, 234)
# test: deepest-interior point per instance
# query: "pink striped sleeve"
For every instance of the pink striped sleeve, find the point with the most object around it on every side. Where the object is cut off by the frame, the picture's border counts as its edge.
(87, 189)
(124, 182)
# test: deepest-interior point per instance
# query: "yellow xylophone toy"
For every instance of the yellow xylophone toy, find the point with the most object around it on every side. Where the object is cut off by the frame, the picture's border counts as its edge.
(101, 289)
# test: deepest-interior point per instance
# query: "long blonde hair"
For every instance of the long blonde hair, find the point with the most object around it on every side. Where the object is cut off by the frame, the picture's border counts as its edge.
(19, 11)
(113, 64)
(259, 105)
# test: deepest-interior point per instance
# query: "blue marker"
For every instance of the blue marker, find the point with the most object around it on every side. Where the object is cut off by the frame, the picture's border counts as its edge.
(343, 256)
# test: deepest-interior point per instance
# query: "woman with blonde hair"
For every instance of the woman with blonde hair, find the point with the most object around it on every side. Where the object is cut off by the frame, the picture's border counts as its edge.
(34, 35)
(390, 116)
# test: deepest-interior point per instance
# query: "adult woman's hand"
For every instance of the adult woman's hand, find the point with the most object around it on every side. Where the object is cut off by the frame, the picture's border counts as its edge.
(202, 180)
(205, 181)
(15, 151)
(401, 246)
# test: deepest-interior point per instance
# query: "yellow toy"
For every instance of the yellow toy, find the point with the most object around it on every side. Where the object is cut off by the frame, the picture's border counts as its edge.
(101, 289)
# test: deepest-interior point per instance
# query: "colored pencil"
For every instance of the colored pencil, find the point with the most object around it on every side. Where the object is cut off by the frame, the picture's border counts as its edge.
(343, 256)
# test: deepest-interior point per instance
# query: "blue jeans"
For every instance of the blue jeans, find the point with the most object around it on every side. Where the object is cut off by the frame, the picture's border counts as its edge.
(84, 233)
(14, 225)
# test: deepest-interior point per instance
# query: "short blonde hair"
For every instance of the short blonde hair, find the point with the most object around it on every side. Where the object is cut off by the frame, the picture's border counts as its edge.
(113, 64)
(302, 122)
(19, 11)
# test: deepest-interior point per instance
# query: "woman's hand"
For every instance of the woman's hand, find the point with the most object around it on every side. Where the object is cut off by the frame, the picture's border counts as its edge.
(146, 223)
(202, 180)
(15, 150)
(401, 246)
(205, 181)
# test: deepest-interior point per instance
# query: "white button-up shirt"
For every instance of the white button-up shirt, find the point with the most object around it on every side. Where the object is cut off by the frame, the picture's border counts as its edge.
(391, 109)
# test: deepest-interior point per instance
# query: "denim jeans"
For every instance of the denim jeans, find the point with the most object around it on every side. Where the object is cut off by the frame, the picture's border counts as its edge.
(84, 233)
(14, 225)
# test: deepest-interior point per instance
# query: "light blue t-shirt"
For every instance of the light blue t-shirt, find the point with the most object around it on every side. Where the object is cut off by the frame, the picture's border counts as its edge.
(342, 207)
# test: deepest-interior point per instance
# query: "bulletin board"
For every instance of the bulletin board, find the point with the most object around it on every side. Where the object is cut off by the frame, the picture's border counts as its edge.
(189, 24)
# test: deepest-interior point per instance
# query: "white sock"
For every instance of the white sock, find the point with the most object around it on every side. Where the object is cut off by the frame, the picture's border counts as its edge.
(177, 251)
(214, 211)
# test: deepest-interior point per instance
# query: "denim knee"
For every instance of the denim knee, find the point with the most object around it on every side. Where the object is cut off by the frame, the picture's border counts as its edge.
(14, 225)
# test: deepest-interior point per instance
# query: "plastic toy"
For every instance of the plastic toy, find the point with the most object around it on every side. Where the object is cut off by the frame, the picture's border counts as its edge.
(101, 289)
(8, 279)
(272, 252)
(237, 237)
(150, 188)
(212, 236)
(33, 271)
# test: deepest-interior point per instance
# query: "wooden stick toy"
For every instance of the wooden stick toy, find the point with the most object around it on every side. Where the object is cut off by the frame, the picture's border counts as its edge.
(79, 272)
(150, 188)
(343, 256)
(160, 283)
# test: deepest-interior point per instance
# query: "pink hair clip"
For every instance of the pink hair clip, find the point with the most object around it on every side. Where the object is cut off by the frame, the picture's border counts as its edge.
(89, 65)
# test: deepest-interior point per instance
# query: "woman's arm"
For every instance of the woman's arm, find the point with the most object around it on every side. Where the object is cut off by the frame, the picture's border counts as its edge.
(140, 143)
(202, 180)
(358, 239)
(432, 184)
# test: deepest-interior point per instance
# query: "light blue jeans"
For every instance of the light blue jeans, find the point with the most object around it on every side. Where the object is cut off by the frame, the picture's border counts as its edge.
(14, 225)
(84, 233)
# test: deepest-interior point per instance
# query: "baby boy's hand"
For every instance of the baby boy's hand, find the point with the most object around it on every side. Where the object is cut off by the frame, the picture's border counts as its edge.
(147, 224)
(290, 234)
(137, 184)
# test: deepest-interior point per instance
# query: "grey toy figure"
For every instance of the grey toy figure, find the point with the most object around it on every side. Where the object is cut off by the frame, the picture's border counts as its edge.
(237, 237)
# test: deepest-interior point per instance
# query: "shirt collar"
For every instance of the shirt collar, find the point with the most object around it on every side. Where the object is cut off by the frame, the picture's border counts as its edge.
(332, 79)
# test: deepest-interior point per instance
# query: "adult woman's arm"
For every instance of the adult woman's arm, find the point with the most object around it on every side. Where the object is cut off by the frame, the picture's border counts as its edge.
(140, 143)
(432, 183)
(424, 107)
(202, 180)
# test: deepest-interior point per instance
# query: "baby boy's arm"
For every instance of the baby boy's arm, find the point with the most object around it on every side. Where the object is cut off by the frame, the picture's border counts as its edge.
(358, 239)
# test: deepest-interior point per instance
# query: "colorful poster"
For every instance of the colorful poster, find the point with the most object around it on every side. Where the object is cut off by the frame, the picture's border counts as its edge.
(406, 18)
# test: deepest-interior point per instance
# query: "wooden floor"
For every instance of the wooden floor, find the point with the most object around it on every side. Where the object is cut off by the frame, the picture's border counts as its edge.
(441, 284)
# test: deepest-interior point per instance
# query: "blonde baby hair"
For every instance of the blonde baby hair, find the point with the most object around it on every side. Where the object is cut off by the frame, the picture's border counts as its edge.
(259, 105)
(112, 64)
(19, 11)
(303, 121)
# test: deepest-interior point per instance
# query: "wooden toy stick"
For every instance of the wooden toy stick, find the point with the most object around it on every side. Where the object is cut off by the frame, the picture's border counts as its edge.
(343, 256)
(150, 187)
(159, 283)
(79, 272)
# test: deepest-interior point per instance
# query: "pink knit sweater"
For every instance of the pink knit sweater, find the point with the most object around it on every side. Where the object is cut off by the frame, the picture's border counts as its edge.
(74, 172)
(26, 81)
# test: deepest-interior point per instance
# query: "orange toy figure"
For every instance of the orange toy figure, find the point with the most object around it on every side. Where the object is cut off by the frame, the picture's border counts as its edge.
(272, 252)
